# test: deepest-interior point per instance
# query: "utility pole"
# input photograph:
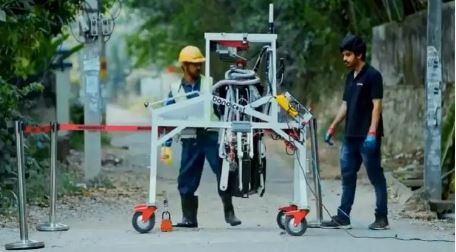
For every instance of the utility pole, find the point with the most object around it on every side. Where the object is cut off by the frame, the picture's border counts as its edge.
(103, 76)
(62, 86)
(94, 27)
(433, 116)
(103, 64)
(92, 94)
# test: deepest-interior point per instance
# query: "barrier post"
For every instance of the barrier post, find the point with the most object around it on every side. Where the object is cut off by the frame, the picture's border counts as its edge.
(24, 242)
(52, 226)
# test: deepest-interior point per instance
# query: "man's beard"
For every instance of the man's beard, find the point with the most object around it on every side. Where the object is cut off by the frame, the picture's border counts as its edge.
(196, 75)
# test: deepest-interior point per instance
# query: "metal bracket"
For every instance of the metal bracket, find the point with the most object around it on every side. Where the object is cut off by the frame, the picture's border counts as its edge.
(241, 126)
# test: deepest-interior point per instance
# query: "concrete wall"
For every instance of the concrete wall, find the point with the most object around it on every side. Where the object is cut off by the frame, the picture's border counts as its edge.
(399, 52)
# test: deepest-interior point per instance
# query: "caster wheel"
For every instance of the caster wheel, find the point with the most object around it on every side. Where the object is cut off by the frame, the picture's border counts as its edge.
(293, 230)
(140, 226)
(281, 218)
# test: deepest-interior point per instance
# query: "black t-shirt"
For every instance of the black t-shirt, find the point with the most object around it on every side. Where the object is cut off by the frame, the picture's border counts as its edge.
(359, 93)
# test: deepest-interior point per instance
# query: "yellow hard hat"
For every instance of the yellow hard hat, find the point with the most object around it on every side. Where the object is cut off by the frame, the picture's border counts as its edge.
(191, 54)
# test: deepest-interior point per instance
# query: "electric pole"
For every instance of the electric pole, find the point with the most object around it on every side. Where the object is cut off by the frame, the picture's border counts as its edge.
(433, 116)
(62, 68)
(92, 94)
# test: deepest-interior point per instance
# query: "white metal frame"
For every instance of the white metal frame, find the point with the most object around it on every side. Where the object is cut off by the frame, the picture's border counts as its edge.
(175, 115)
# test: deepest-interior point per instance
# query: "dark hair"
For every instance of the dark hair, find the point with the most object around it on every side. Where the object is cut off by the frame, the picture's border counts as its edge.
(354, 44)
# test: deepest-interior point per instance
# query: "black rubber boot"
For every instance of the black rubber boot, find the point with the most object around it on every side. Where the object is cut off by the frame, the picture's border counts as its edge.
(189, 212)
(228, 209)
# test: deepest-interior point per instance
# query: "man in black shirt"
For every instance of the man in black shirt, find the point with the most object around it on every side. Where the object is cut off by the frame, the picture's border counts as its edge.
(362, 110)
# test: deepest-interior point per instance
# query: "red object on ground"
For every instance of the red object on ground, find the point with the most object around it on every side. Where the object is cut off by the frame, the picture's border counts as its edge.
(166, 225)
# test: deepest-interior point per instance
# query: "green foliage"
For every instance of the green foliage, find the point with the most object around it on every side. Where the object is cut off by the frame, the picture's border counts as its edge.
(31, 35)
(448, 130)
(309, 32)
(9, 97)
(28, 34)
(68, 183)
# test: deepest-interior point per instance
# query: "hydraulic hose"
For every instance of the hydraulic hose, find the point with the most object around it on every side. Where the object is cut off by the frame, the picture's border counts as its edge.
(239, 74)
(235, 82)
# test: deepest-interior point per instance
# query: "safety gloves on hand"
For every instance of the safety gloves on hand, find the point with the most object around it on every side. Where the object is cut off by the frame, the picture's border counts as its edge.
(370, 142)
(166, 155)
(329, 134)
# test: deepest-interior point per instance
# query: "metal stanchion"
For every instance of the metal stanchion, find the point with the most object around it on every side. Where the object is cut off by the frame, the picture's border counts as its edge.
(316, 174)
(24, 243)
(51, 225)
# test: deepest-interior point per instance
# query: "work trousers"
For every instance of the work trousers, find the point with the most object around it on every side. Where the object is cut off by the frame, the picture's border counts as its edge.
(352, 154)
(194, 152)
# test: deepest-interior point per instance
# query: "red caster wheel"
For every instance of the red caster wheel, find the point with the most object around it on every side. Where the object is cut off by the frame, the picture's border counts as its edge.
(144, 218)
(296, 223)
(281, 217)
(293, 229)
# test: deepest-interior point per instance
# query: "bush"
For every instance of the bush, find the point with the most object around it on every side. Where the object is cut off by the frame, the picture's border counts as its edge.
(36, 150)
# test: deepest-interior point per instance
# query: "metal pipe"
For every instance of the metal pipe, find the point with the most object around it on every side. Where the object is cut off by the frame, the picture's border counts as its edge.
(24, 242)
(251, 143)
(271, 18)
(240, 155)
(238, 114)
(23, 229)
(53, 165)
(52, 225)
(316, 170)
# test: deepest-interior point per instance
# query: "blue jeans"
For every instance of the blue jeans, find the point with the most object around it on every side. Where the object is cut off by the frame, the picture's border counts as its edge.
(194, 152)
(352, 154)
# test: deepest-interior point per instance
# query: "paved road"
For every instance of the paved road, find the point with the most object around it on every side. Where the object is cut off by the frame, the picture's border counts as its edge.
(111, 230)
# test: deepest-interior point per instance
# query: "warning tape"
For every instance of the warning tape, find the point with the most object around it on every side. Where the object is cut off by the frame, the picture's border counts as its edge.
(37, 129)
(104, 128)
(114, 128)
(83, 127)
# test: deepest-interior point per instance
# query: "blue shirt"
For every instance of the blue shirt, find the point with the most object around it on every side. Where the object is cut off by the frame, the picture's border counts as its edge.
(196, 86)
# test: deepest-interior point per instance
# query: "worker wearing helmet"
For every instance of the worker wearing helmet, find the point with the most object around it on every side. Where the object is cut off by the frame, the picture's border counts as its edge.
(198, 144)
(362, 110)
